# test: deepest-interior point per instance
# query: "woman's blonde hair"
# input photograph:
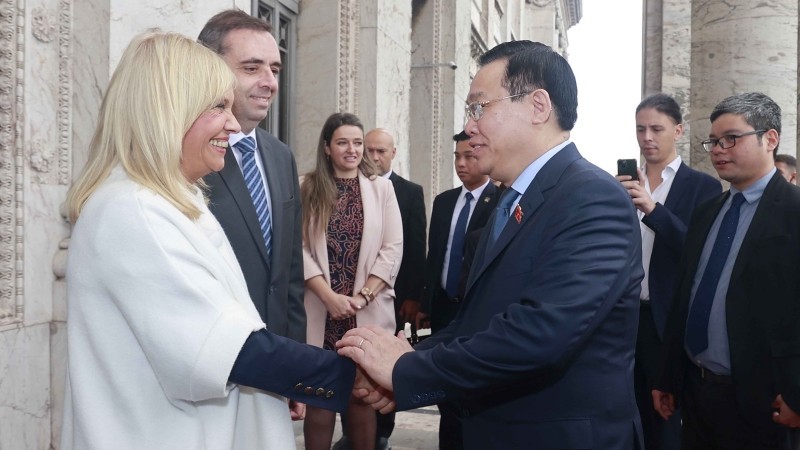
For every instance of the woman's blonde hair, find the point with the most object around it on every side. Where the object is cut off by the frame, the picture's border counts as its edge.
(162, 84)
(318, 193)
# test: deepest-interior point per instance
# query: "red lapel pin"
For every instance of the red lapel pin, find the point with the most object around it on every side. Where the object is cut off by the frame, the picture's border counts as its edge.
(518, 213)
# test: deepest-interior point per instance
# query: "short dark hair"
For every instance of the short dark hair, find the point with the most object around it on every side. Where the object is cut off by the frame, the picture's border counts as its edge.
(461, 136)
(789, 160)
(664, 104)
(533, 65)
(757, 109)
(217, 27)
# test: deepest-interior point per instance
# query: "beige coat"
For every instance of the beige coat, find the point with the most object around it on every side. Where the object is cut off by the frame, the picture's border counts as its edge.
(380, 255)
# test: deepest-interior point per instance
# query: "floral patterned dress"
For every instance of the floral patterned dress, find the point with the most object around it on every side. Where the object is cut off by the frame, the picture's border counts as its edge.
(345, 228)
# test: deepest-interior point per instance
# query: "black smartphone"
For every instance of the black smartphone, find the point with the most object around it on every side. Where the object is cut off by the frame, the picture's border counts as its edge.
(628, 167)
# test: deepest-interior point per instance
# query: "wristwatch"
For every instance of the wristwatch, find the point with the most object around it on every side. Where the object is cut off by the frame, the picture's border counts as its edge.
(367, 293)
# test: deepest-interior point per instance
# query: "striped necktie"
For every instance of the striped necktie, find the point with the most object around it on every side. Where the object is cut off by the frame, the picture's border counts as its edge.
(255, 185)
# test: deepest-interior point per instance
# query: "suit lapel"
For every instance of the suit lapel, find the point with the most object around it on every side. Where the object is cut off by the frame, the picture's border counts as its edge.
(483, 207)
(679, 186)
(232, 176)
(530, 202)
(768, 209)
(273, 184)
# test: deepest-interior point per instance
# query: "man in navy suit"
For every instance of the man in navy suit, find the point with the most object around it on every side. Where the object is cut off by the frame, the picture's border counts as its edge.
(665, 194)
(451, 226)
(732, 341)
(271, 257)
(541, 353)
(438, 305)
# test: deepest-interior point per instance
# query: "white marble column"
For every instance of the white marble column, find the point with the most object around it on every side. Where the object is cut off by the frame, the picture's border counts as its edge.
(384, 73)
(740, 46)
(353, 56)
(440, 34)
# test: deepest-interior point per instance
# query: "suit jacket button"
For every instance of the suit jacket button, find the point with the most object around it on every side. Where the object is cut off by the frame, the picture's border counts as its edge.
(298, 387)
(309, 390)
(320, 392)
(329, 394)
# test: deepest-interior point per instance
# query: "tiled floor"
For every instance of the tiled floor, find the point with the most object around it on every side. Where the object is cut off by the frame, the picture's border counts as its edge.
(417, 429)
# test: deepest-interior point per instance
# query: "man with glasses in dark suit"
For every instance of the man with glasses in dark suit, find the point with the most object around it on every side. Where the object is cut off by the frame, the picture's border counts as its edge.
(732, 343)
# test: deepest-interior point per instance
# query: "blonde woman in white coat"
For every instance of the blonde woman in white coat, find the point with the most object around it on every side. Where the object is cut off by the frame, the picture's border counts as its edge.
(353, 240)
(165, 348)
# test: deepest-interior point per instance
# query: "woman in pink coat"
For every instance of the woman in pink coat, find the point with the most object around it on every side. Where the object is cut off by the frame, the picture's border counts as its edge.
(352, 248)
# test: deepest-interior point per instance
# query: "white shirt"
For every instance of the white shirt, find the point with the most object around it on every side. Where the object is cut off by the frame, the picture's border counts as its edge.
(476, 195)
(659, 195)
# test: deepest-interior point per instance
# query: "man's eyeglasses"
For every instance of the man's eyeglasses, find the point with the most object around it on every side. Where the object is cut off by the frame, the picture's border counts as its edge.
(727, 141)
(475, 110)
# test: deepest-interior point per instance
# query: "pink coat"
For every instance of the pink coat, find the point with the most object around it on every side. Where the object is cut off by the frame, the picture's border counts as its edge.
(380, 255)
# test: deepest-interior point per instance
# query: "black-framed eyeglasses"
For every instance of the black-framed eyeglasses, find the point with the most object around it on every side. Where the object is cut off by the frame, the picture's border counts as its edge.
(727, 141)
(474, 110)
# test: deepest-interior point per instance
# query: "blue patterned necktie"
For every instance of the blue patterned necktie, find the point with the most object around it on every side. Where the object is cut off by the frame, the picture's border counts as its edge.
(457, 248)
(502, 212)
(697, 323)
(255, 185)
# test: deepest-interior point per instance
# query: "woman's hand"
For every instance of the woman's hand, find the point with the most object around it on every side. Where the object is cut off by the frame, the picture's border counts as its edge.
(357, 302)
(340, 307)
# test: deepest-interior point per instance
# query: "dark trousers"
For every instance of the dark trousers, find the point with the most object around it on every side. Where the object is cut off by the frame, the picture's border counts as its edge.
(450, 435)
(659, 434)
(712, 419)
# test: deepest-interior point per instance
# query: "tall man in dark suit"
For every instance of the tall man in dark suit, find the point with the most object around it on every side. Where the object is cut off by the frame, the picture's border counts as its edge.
(379, 144)
(731, 344)
(256, 197)
(665, 194)
(455, 215)
(440, 298)
(541, 353)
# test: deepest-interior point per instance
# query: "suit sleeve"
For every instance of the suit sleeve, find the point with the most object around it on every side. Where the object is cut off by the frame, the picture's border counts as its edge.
(414, 245)
(431, 277)
(671, 229)
(304, 373)
(297, 311)
(588, 261)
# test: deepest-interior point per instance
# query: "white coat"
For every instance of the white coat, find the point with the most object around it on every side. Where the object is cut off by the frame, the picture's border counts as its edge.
(158, 310)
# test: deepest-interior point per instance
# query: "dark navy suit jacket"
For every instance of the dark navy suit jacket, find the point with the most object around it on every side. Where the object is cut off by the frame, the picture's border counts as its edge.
(541, 353)
(434, 299)
(669, 223)
(762, 306)
(411, 201)
(276, 284)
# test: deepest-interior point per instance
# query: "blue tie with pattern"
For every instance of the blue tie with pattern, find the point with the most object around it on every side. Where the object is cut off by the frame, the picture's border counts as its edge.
(502, 212)
(697, 323)
(252, 177)
(457, 248)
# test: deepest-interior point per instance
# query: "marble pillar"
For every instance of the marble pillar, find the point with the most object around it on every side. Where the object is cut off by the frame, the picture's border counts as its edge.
(353, 56)
(739, 46)
(540, 22)
(440, 35)
(667, 58)
(384, 71)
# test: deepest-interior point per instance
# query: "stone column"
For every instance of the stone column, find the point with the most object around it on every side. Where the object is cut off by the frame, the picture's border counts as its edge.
(441, 33)
(383, 73)
(353, 56)
(667, 54)
(739, 46)
(539, 22)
